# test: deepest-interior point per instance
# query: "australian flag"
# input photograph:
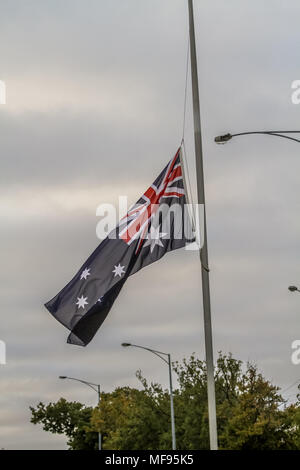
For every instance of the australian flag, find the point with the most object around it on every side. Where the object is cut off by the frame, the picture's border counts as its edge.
(156, 224)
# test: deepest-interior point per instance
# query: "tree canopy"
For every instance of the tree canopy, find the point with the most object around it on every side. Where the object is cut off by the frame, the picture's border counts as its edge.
(251, 413)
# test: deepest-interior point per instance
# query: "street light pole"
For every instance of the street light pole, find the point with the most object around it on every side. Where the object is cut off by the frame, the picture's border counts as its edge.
(172, 404)
(169, 363)
(99, 434)
(96, 388)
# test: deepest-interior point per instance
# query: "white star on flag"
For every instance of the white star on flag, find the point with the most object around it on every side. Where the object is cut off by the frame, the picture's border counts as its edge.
(154, 238)
(81, 301)
(100, 299)
(85, 273)
(119, 270)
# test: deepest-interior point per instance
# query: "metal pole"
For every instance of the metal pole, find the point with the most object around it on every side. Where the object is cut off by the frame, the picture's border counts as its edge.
(99, 434)
(172, 404)
(203, 252)
(160, 354)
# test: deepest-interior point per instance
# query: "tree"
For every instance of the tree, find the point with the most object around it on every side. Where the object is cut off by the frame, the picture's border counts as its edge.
(249, 408)
(69, 418)
(251, 413)
(130, 419)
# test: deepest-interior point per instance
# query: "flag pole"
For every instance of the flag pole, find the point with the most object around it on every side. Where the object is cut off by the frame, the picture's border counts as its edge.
(204, 251)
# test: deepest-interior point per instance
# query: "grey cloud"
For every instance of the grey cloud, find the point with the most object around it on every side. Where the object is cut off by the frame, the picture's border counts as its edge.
(102, 116)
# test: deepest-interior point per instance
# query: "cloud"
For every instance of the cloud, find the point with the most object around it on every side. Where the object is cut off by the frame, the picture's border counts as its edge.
(94, 110)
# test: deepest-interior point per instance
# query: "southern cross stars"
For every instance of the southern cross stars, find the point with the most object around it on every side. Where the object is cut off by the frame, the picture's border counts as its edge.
(154, 238)
(81, 302)
(119, 270)
(85, 273)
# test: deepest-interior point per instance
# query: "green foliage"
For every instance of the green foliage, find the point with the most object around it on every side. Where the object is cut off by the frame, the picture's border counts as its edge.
(69, 418)
(130, 419)
(251, 413)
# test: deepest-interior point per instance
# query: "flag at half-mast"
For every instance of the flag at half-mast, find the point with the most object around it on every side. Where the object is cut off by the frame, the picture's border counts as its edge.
(156, 224)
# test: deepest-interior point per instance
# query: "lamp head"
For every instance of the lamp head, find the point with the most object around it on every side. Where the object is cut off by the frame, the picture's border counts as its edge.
(126, 345)
(222, 139)
(62, 377)
(293, 288)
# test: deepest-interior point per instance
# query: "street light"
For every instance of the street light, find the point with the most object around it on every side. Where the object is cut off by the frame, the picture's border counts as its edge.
(96, 388)
(222, 139)
(293, 289)
(169, 363)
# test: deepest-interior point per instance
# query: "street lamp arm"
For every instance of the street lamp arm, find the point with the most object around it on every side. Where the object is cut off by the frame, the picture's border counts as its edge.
(90, 384)
(222, 139)
(277, 134)
(157, 353)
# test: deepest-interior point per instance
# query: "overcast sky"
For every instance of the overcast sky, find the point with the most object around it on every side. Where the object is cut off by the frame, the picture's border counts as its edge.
(94, 110)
